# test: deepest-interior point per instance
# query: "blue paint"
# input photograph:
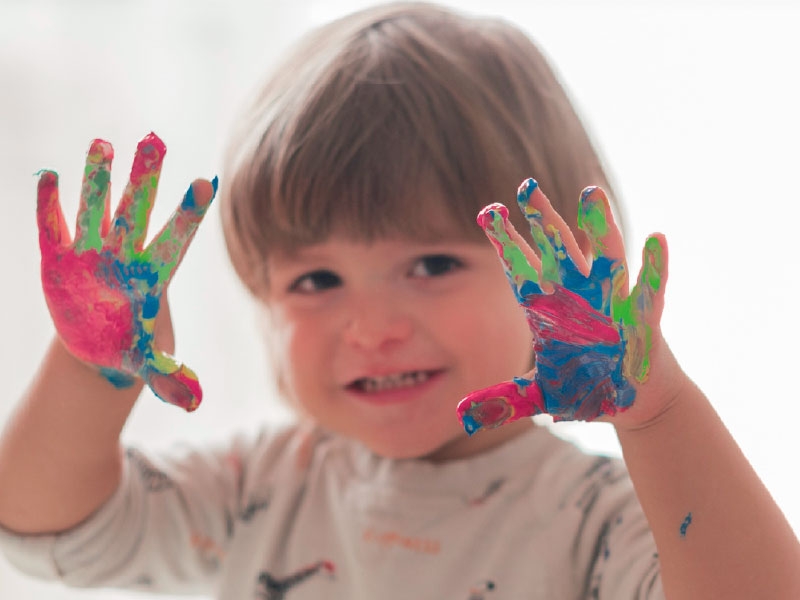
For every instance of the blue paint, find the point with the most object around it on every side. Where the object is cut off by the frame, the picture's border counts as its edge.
(124, 273)
(150, 307)
(116, 378)
(526, 290)
(188, 200)
(685, 525)
(571, 377)
(470, 424)
(526, 189)
(143, 344)
(122, 224)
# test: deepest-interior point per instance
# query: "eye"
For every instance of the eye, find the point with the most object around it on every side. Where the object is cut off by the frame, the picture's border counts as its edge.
(315, 281)
(435, 265)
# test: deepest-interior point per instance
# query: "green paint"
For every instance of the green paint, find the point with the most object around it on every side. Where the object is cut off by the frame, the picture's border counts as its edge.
(592, 219)
(96, 181)
(143, 204)
(550, 256)
(653, 267)
(515, 261)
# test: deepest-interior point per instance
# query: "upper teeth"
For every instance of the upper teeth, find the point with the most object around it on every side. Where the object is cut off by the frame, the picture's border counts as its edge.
(379, 384)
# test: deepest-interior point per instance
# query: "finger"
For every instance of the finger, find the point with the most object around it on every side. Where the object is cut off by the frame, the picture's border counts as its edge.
(537, 209)
(92, 212)
(521, 268)
(500, 404)
(169, 246)
(129, 225)
(551, 248)
(53, 230)
(596, 219)
(644, 307)
(173, 382)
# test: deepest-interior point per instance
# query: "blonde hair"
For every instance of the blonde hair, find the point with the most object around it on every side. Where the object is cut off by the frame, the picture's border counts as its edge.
(375, 116)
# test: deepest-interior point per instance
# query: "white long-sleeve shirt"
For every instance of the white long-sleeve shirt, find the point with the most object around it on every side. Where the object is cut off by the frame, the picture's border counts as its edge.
(297, 515)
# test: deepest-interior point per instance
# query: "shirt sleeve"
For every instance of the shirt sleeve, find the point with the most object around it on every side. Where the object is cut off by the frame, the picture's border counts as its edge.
(165, 528)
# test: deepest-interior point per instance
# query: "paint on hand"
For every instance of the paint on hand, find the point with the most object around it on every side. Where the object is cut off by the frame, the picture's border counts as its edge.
(592, 340)
(685, 525)
(104, 289)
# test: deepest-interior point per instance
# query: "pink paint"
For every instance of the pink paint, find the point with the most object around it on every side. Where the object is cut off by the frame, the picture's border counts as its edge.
(96, 321)
(568, 317)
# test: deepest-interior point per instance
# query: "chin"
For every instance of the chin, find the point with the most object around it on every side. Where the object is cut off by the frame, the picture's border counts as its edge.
(398, 448)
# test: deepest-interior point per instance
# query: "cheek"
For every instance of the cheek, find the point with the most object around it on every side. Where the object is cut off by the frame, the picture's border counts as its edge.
(301, 351)
(509, 337)
(493, 329)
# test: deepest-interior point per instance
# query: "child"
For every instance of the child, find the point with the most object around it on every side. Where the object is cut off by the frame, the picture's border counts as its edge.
(348, 204)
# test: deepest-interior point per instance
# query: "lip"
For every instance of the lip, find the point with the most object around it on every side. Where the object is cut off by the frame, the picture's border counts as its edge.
(397, 395)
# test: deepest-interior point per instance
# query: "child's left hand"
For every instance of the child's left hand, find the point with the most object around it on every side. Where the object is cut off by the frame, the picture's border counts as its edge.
(593, 341)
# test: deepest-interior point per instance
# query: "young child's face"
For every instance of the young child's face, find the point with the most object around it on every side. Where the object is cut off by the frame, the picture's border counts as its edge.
(380, 341)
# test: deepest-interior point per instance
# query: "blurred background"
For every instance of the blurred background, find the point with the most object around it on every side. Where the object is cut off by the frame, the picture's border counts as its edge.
(694, 105)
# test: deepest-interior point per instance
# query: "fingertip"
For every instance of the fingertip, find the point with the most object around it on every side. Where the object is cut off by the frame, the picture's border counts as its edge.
(47, 179)
(148, 159)
(656, 253)
(181, 388)
(100, 152)
(488, 214)
(52, 227)
(152, 141)
(589, 191)
(198, 196)
(593, 210)
(526, 188)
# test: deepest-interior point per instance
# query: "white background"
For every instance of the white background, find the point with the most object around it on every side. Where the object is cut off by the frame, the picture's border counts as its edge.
(695, 106)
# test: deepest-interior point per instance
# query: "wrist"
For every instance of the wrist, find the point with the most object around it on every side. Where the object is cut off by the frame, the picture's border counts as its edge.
(666, 388)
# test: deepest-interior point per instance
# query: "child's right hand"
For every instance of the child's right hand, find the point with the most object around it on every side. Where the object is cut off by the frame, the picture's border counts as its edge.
(103, 289)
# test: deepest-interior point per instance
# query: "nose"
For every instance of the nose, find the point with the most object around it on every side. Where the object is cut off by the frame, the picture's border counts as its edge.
(377, 324)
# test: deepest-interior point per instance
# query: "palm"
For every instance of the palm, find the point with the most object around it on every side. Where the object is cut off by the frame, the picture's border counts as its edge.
(592, 339)
(104, 289)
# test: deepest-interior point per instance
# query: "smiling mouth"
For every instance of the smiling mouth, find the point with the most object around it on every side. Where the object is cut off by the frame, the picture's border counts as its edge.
(396, 381)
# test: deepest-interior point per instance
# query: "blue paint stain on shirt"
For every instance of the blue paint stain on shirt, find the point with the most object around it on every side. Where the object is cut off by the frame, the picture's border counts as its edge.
(685, 525)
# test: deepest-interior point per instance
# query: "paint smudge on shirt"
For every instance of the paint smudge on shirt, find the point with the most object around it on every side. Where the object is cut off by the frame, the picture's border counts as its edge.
(270, 587)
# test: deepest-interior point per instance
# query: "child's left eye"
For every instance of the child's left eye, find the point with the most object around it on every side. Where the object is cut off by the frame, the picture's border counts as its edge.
(435, 265)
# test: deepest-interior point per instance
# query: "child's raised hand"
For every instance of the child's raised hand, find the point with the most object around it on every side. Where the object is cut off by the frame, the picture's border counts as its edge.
(103, 288)
(592, 339)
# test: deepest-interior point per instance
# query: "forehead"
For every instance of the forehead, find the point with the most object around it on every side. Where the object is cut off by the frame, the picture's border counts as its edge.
(424, 217)
(341, 247)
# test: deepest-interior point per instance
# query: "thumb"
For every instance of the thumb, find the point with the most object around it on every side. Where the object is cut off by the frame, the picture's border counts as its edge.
(173, 382)
(500, 404)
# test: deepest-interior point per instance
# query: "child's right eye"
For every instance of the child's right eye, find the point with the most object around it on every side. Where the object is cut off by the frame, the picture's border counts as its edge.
(315, 281)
